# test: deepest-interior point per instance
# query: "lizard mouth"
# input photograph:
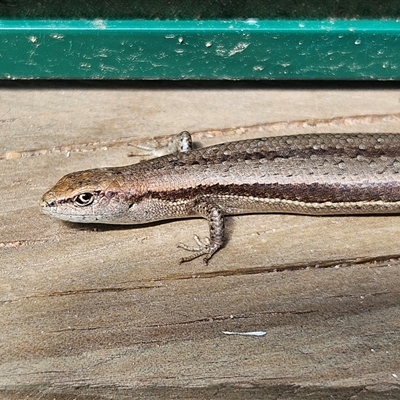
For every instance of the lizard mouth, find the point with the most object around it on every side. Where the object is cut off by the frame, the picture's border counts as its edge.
(47, 204)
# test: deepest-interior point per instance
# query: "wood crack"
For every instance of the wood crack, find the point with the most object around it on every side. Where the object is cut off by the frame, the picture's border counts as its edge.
(94, 290)
(338, 263)
(18, 243)
(275, 127)
(378, 262)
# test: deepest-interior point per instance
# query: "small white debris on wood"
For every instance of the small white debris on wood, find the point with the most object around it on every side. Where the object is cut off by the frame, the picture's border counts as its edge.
(256, 333)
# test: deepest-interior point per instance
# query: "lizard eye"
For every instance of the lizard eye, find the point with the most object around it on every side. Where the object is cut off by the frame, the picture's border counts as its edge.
(84, 199)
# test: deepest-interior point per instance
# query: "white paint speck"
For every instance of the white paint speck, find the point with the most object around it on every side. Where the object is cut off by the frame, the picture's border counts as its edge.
(241, 46)
(252, 21)
(57, 36)
(99, 23)
(220, 50)
(256, 333)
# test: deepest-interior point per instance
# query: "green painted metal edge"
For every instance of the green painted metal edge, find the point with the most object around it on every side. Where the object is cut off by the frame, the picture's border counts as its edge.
(251, 49)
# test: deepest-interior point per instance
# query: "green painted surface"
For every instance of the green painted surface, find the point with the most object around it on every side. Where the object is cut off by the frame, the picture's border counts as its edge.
(251, 49)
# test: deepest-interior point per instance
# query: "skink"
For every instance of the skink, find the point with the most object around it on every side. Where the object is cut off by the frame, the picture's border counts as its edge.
(317, 174)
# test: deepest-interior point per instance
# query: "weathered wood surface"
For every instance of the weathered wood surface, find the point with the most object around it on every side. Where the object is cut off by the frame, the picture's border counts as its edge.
(107, 312)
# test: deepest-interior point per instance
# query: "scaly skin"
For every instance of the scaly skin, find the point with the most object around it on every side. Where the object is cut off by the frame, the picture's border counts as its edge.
(319, 174)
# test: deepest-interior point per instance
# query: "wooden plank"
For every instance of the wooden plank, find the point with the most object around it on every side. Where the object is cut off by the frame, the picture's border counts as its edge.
(107, 312)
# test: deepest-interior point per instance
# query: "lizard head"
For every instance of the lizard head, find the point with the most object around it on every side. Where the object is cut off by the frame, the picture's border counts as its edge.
(87, 196)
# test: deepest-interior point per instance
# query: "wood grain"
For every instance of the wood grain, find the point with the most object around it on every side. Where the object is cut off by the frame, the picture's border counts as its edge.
(101, 312)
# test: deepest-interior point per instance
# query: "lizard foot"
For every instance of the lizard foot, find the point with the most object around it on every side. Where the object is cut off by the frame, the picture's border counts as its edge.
(203, 248)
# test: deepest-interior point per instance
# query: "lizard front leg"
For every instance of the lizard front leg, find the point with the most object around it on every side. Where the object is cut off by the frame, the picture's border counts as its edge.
(209, 246)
